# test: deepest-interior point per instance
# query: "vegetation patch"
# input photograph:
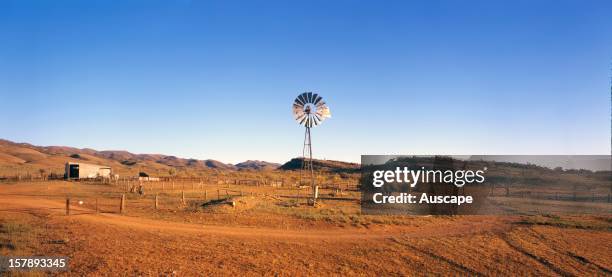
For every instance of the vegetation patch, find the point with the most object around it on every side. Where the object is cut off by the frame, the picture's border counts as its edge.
(594, 223)
(16, 237)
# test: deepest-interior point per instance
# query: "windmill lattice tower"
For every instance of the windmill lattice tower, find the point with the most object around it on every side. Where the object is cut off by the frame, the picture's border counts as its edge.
(309, 110)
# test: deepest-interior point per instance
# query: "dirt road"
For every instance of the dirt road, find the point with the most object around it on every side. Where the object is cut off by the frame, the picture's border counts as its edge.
(113, 244)
(57, 208)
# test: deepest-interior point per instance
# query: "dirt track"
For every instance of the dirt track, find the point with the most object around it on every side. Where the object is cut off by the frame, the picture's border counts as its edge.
(57, 208)
(113, 244)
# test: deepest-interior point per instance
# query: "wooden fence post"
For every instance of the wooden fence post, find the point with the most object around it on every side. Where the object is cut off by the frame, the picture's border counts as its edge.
(218, 195)
(183, 197)
(67, 206)
(156, 202)
(122, 204)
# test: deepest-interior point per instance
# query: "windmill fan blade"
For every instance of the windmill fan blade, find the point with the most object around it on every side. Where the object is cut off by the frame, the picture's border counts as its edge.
(303, 119)
(321, 117)
(297, 109)
(301, 99)
(297, 116)
(324, 112)
(309, 109)
(322, 105)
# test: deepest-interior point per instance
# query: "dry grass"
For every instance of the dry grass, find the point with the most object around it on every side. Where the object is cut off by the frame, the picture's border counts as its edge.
(577, 222)
(266, 234)
(17, 236)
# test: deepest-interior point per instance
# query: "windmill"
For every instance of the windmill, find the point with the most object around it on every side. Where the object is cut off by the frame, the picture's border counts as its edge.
(309, 110)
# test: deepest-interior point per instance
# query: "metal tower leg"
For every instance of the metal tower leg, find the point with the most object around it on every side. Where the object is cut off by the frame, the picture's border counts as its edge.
(307, 164)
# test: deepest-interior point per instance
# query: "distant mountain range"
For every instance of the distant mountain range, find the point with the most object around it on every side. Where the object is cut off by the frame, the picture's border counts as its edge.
(25, 157)
(22, 158)
(257, 165)
(590, 162)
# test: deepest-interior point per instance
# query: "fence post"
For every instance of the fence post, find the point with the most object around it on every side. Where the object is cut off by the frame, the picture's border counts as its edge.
(122, 205)
(218, 195)
(183, 197)
(315, 195)
(68, 206)
(205, 195)
(156, 202)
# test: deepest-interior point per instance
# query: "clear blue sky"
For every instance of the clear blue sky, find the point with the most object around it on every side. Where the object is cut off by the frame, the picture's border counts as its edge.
(216, 79)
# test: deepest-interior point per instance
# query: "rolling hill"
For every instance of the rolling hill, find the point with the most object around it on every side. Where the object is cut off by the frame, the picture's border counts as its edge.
(25, 158)
(326, 165)
(257, 165)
